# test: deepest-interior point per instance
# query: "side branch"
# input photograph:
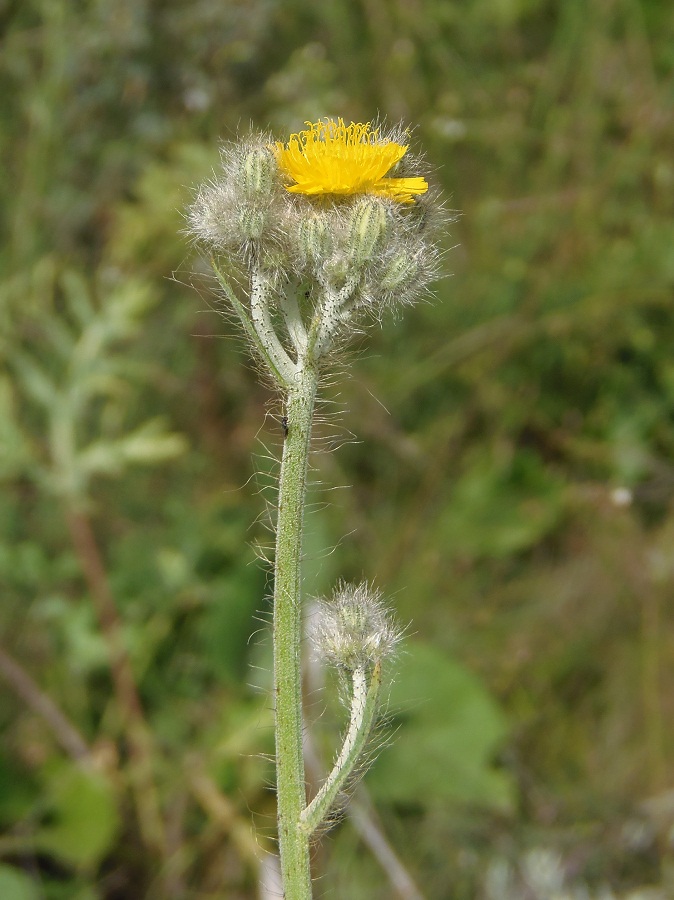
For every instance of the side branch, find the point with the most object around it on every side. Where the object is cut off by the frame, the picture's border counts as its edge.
(363, 709)
(330, 315)
(279, 364)
(273, 348)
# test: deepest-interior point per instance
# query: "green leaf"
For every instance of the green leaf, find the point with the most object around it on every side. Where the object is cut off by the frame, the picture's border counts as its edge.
(149, 443)
(16, 453)
(88, 892)
(449, 729)
(85, 817)
(77, 291)
(34, 380)
(499, 509)
(15, 885)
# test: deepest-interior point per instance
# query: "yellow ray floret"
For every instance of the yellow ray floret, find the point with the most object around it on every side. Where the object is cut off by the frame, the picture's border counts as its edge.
(333, 158)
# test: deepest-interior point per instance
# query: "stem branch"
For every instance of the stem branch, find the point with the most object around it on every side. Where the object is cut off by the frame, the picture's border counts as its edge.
(363, 708)
(258, 331)
(274, 350)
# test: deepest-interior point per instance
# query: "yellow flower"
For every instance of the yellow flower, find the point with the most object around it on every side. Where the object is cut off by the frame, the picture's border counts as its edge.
(333, 158)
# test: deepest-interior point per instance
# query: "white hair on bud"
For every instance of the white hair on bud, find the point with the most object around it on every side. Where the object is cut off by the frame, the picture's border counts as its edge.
(355, 628)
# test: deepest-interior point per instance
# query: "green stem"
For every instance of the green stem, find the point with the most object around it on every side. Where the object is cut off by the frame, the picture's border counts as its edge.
(330, 315)
(262, 322)
(259, 331)
(293, 320)
(290, 783)
(363, 709)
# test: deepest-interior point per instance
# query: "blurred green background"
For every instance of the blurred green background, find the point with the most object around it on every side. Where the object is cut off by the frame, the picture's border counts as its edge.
(510, 485)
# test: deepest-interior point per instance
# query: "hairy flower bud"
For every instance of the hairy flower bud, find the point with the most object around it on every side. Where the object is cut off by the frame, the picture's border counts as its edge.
(251, 220)
(368, 229)
(243, 205)
(258, 173)
(398, 271)
(354, 629)
(337, 268)
(314, 238)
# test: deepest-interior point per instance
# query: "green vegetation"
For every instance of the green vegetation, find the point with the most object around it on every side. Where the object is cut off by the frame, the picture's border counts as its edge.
(513, 491)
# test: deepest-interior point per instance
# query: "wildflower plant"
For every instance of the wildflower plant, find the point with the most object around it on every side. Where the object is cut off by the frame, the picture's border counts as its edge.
(309, 239)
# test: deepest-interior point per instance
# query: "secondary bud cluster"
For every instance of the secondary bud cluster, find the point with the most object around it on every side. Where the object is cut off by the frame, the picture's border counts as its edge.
(242, 206)
(354, 629)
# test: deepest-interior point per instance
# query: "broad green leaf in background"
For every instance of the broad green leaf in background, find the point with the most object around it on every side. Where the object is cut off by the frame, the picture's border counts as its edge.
(450, 730)
(85, 817)
(500, 507)
(15, 885)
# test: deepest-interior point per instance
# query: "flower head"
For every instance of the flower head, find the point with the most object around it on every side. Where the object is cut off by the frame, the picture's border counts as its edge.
(337, 215)
(333, 158)
(355, 628)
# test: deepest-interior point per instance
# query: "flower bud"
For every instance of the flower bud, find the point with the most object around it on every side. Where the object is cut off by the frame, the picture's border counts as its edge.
(257, 174)
(314, 238)
(398, 271)
(252, 221)
(355, 629)
(337, 268)
(369, 225)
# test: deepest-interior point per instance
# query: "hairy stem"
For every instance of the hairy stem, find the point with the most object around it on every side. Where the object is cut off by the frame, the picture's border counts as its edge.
(363, 708)
(290, 785)
(259, 331)
(293, 320)
(262, 322)
(330, 315)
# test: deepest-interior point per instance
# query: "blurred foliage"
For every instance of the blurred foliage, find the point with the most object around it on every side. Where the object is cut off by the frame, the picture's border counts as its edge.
(512, 486)
(447, 719)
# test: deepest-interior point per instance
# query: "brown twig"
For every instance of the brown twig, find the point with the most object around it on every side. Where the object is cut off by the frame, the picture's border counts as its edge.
(34, 697)
(136, 730)
(373, 837)
(221, 810)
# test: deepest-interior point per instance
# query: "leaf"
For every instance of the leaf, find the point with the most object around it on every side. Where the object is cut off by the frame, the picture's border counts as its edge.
(34, 380)
(125, 305)
(85, 816)
(16, 454)
(449, 729)
(499, 509)
(79, 298)
(118, 318)
(149, 443)
(16, 885)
